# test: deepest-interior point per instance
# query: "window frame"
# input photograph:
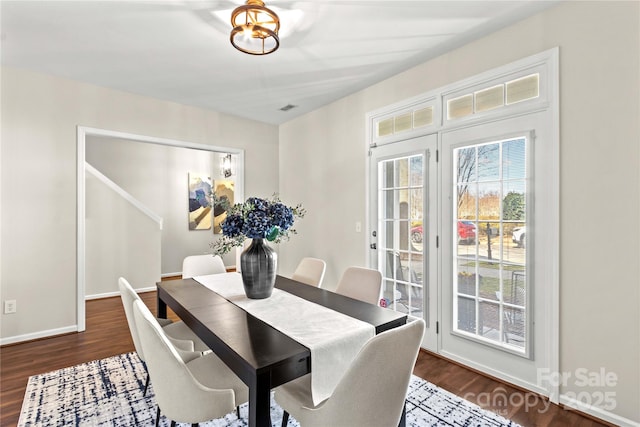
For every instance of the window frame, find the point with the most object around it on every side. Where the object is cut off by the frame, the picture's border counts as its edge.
(528, 262)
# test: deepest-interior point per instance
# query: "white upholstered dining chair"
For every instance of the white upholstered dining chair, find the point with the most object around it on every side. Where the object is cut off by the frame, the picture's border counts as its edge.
(188, 343)
(361, 283)
(202, 265)
(188, 392)
(371, 393)
(310, 271)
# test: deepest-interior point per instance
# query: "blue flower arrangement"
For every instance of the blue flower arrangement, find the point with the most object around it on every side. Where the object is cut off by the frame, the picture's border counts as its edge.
(257, 219)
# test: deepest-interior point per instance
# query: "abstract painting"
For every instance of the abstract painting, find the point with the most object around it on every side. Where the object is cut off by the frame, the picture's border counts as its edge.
(199, 201)
(224, 196)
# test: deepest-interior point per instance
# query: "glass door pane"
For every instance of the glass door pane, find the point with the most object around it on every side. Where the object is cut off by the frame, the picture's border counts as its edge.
(400, 225)
(490, 242)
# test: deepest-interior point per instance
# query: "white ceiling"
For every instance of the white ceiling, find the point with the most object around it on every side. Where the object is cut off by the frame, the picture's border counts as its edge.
(179, 51)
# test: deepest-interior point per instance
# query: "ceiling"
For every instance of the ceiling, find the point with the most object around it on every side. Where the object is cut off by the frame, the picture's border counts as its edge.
(179, 50)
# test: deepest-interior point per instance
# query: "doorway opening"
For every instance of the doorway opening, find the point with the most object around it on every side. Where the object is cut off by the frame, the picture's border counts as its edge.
(83, 133)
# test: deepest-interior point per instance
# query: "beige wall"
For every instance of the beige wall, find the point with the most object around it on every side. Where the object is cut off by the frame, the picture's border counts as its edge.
(322, 164)
(38, 210)
(120, 241)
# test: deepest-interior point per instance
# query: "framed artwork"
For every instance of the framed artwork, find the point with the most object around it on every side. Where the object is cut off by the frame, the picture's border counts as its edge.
(224, 195)
(200, 201)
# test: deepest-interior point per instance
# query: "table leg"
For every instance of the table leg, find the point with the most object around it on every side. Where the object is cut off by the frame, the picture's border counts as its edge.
(260, 401)
(162, 308)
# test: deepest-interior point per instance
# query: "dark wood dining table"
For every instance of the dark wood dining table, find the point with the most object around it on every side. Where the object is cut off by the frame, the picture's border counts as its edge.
(261, 356)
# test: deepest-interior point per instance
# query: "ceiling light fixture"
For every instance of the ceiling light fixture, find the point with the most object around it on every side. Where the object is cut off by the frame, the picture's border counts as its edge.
(255, 28)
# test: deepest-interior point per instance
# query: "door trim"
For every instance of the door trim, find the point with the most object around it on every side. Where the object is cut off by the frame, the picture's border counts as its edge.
(547, 62)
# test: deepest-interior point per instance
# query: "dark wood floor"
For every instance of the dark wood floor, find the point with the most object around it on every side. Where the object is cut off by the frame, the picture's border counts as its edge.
(107, 335)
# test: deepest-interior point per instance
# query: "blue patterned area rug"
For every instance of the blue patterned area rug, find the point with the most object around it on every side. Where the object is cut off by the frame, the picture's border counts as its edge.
(108, 392)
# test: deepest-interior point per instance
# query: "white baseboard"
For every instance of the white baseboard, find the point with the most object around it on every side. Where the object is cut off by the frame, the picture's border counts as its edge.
(149, 289)
(38, 335)
(99, 296)
(177, 273)
(117, 293)
(596, 412)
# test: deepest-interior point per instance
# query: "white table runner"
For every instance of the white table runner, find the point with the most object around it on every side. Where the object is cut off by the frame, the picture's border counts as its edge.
(333, 338)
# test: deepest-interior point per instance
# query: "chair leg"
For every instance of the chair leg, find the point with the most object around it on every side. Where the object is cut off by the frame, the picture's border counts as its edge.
(403, 417)
(238, 411)
(146, 385)
(146, 382)
(173, 423)
(158, 417)
(285, 418)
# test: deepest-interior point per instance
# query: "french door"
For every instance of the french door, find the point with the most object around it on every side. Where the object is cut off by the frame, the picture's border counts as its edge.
(403, 228)
(494, 283)
(455, 241)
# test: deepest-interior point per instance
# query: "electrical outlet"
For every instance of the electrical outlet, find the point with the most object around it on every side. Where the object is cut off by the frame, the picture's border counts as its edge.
(10, 306)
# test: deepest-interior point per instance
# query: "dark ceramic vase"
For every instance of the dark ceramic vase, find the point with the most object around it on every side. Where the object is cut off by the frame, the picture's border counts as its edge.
(258, 267)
